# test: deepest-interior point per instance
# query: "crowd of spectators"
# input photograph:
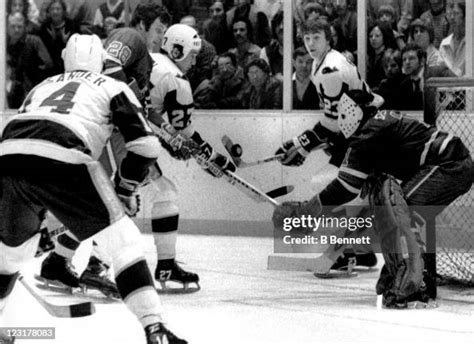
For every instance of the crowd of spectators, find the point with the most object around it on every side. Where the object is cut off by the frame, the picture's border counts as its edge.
(241, 61)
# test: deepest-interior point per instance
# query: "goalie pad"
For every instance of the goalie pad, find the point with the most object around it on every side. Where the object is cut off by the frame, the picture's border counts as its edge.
(402, 275)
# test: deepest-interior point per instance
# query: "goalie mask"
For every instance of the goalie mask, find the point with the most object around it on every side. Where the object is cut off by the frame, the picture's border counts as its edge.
(349, 116)
(180, 40)
(83, 52)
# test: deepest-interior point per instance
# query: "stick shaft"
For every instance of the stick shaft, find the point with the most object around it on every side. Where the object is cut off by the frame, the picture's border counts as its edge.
(244, 164)
(230, 177)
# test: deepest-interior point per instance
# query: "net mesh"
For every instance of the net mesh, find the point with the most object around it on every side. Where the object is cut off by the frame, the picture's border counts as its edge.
(455, 225)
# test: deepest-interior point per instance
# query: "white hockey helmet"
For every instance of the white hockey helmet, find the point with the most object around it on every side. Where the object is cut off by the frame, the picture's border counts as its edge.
(180, 40)
(83, 52)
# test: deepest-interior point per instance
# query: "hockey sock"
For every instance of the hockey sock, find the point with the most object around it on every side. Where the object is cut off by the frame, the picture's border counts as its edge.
(66, 245)
(137, 289)
(165, 232)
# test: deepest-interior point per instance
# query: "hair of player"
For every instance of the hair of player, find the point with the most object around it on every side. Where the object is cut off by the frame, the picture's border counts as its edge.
(317, 25)
(148, 13)
(420, 52)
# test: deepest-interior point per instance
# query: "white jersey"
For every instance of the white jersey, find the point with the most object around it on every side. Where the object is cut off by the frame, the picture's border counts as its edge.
(171, 94)
(334, 61)
(70, 117)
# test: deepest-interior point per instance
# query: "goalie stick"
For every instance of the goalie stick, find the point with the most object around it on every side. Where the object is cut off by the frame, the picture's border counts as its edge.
(230, 177)
(76, 310)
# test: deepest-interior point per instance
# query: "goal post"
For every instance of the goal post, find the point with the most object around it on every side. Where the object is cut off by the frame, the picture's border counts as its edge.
(448, 104)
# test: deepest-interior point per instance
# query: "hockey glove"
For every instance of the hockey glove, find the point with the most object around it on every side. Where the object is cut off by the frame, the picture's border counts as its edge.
(297, 149)
(179, 147)
(127, 194)
(294, 209)
(208, 155)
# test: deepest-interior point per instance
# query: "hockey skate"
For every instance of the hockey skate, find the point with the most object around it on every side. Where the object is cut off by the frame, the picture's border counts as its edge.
(364, 261)
(57, 274)
(95, 277)
(167, 271)
(322, 271)
(159, 334)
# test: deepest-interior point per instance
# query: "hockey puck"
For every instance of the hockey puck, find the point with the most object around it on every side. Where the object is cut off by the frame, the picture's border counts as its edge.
(236, 150)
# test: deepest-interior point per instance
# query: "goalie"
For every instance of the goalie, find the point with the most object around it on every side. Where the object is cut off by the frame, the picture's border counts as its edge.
(433, 167)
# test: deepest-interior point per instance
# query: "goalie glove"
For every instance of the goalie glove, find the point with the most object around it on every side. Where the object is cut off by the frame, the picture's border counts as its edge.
(127, 194)
(207, 155)
(179, 146)
(297, 149)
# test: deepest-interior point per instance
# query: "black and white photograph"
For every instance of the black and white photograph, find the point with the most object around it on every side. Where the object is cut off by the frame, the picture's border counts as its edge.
(236, 171)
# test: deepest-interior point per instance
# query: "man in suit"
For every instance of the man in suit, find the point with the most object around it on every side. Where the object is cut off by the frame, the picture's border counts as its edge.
(416, 71)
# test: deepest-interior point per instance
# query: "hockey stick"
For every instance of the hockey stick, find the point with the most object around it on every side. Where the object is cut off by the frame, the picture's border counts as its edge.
(235, 152)
(76, 310)
(230, 177)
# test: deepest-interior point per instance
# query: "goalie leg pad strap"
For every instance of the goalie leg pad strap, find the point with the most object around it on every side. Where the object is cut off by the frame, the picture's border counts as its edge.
(402, 253)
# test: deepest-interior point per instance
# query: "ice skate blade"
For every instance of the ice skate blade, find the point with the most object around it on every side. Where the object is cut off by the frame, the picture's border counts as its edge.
(81, 292)
(164, 288)
(431, 304)
(336, 274)
(57, 286)
(358, 268)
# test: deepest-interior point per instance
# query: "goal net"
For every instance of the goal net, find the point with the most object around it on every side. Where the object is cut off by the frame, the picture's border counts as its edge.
(449, 104)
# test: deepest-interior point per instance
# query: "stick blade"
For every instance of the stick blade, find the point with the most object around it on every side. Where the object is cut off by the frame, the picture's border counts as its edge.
(281, 191)
(228, 143)
(81, 309)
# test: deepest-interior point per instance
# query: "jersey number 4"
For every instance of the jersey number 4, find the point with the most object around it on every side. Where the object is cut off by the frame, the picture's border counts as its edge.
(60, 100)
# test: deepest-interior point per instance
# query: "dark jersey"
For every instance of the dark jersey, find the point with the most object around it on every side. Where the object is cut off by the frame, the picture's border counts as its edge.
(390, 143)
(128, 58)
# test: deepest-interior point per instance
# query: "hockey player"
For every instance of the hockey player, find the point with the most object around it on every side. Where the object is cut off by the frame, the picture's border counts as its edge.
(317, 39)
(127, 60)
(433, 167)
(172, 106)
(48, 159)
